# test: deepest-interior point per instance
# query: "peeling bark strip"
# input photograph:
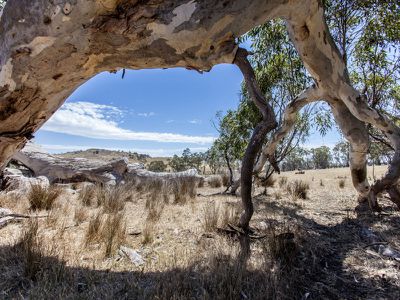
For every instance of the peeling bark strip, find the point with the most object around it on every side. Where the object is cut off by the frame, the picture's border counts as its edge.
(267, 124)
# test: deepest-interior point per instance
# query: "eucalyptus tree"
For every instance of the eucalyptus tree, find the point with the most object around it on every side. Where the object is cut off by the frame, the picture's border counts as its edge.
(49, 48)
(281, 76)
(341, 152)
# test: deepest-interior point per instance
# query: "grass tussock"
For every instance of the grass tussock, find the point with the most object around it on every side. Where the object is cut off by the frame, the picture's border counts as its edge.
(298, 189)
(155, 208)
(93, 230)
(41, 197)
(225, 179)
(32, 252)
(148, 233)
(282, 247)
(282, 182)
(183, 188)
(112, 198)
(215, 181)
(87, 194)
(342, 183)
(80, 214)
(277, 194)
(230, 215)
(267, 182)
(210, 217)
(108, 230)
(113, 232)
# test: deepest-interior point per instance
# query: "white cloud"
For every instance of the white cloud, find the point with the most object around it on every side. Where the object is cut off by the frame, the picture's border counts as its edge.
(152, 152)
(149, 114)
(97, 121)
(195, 121)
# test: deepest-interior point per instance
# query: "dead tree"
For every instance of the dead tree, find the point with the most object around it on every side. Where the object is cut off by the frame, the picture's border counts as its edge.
(49, 48)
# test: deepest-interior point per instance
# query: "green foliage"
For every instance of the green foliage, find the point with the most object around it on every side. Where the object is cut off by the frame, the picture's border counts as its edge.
(214, 159)
(188, 160)
(367, 33)
(321, 157)
(297, 159)
(341, 154)
(281, 76)
(157, 166)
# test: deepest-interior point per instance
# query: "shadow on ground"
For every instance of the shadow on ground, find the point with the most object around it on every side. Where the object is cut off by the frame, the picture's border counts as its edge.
(319, 270)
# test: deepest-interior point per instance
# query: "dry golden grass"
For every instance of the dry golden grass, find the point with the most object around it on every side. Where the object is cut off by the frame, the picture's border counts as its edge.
(41, 197)
(225, 179)
(113, 232)
(214, 181)
(112, 199)
(31, 249)
(210, 217)
(298, 189)
(342, 183)
(87, 194)
(93, 230)
(148, 232)
(155, 208)
(282, 181)
(230, 214)
(267, 182)
(315, 249)
(80, 214)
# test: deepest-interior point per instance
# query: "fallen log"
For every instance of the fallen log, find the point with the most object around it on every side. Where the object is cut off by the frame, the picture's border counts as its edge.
(65, 170)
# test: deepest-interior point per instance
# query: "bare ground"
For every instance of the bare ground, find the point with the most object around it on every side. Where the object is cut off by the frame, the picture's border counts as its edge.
(333, 255)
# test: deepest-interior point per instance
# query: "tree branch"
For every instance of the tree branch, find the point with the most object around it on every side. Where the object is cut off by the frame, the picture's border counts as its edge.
(267, 124)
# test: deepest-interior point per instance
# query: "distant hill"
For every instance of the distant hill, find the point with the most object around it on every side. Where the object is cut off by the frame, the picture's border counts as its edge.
(107, 155)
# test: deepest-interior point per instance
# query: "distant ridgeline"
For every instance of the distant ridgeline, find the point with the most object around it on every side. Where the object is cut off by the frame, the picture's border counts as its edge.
(102, 153)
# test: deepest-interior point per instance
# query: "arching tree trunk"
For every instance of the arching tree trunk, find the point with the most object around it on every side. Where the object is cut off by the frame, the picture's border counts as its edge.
(267, 124)
(356, 134)
(49, 48)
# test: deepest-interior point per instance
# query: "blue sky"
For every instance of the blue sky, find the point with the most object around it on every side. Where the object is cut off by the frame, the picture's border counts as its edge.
(158, 112)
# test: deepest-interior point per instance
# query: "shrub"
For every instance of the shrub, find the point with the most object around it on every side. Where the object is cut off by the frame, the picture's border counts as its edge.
(157, 166)
(298, 189)
(43, 197)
